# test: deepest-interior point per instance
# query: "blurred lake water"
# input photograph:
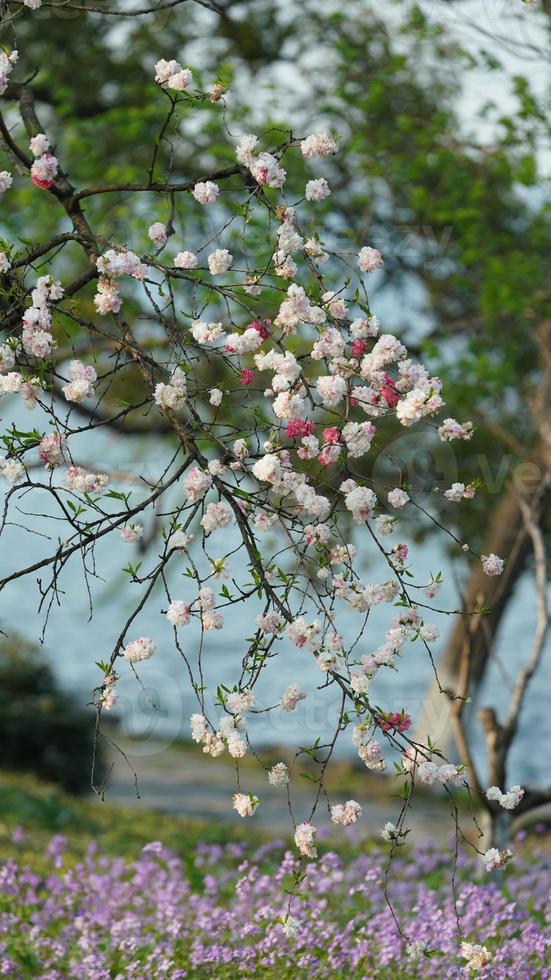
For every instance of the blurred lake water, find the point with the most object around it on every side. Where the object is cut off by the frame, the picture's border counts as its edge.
(74, 642)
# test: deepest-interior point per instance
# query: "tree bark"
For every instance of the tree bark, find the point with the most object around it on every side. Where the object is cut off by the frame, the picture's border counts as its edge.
(474, 636)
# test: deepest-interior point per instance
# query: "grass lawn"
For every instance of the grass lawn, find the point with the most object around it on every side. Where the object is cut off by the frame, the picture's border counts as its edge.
(43, 809)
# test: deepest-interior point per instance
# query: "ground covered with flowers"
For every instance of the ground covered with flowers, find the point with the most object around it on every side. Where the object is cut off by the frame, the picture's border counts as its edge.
(218, 908)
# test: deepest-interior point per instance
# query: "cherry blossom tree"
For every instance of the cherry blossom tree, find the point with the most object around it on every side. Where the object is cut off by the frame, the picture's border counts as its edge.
(246, 340)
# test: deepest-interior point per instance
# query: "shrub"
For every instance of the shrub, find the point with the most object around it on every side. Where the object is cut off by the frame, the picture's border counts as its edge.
(41, 729)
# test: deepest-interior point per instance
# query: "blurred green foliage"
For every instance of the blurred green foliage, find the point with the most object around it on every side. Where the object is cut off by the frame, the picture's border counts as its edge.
(42, 730)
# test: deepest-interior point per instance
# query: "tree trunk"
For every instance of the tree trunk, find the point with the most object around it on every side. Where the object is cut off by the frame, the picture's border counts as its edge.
(497, 830)
(507, 537)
